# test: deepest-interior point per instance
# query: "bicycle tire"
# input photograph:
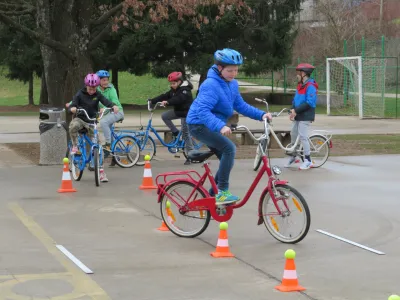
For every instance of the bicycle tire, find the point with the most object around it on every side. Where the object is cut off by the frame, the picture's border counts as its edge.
(150, 140)
(134, 160)
(72, 166)
(257, 159)
(164, 216)
(96, 166)
(266, 197)
(318, 136)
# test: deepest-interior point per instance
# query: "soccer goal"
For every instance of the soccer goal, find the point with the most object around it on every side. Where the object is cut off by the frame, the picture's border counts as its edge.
(356, 86)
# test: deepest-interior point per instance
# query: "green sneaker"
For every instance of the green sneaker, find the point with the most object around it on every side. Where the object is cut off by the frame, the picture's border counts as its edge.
(225, 197)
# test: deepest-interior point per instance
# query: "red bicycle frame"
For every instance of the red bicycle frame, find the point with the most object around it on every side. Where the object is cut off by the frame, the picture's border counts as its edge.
(209, 202)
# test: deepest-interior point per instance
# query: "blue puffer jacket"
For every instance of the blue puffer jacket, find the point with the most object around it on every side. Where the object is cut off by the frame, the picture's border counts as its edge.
(216, 101)
(305, 100)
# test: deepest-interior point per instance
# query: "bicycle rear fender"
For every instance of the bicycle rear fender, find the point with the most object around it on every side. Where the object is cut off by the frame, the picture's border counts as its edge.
(161, 187)
(265, 191)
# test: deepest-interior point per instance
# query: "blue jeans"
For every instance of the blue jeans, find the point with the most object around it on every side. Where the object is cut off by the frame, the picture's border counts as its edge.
(107, 121)
(224, 149)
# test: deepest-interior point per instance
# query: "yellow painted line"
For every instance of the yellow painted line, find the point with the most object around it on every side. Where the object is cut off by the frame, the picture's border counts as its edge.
(81, 282)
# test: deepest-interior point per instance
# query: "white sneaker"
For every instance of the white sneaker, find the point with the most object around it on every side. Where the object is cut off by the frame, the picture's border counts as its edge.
(306, 165)
(103, 177)
(291, 161)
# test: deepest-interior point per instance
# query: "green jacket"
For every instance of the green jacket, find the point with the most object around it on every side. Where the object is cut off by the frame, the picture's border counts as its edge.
(111, 94)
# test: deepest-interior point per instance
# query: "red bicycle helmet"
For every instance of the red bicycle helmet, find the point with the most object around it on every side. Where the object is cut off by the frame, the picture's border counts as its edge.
(175, 76)
(306, 68)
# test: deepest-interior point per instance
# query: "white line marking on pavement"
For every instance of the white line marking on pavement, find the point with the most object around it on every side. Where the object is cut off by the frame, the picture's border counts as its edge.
(350, 242)
(74, 259)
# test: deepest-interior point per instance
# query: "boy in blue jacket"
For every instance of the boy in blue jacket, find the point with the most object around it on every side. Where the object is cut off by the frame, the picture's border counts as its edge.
(218, 97)
(303, 111)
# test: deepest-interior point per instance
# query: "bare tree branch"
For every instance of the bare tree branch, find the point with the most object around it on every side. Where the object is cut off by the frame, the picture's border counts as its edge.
(104, 18)
(100, 37)
(18, 12)
(15, 6)
(36, 36)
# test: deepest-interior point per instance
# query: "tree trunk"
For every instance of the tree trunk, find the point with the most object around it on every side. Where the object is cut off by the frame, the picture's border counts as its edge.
(64, 74)
(114, 79)
(203, 76)
(44, 97)
(30, 90)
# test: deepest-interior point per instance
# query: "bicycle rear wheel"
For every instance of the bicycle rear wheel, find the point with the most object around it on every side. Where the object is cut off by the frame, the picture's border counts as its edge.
(319, 146)
(179, 220)
(96, 159)
(148, 149)
(292, 205)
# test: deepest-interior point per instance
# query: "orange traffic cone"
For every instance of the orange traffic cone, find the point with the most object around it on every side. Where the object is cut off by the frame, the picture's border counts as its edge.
(66, 182)
(222, 249)
(290, 282)
(163, 227)
(171, 218)
(147, 182)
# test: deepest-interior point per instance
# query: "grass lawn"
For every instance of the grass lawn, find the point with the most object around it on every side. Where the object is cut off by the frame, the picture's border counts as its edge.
(136, 90)
(133, 89)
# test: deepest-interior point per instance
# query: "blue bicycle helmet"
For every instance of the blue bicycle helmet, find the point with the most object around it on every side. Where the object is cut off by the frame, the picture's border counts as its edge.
(103, 73)
(228, 57)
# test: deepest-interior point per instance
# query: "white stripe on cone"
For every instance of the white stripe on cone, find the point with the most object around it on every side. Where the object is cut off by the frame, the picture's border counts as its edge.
(147, 173)
(289, 274)
(222, 243)
(66, 176)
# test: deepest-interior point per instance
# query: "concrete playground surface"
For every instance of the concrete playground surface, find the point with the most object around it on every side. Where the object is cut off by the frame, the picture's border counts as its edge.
(112, 229)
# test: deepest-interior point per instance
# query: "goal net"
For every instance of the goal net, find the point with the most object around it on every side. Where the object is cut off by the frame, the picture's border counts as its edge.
(356, 86)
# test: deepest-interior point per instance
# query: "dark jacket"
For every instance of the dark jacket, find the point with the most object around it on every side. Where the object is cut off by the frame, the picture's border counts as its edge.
(88, 102)
(305, 100)
(180, 99)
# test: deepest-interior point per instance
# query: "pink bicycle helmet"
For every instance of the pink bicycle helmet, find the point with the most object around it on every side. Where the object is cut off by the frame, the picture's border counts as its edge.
(92, 80)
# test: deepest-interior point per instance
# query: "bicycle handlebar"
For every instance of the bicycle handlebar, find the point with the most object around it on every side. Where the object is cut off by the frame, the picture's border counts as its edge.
(93, 119)
(155, 106)
(257, 140)
(275, 114)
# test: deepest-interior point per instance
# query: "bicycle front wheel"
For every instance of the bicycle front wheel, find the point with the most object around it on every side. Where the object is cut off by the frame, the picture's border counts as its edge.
(184, 223)
(292, 224)
(126, 151)
(96, 159)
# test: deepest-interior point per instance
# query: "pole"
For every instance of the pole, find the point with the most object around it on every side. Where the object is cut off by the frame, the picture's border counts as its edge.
(380, 15)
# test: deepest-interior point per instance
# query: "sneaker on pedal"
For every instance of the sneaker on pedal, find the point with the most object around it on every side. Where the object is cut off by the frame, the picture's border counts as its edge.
(225, 197)
(306, 165)
(290, 162)
(103, 177)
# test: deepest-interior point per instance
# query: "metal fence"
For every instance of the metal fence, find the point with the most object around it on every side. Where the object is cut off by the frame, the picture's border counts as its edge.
(284, 80)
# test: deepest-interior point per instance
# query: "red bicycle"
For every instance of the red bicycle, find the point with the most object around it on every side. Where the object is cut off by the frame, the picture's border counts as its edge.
(190, 203)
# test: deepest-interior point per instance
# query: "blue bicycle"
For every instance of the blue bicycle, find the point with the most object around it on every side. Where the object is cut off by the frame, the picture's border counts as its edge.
(90, 151)
(148, 146)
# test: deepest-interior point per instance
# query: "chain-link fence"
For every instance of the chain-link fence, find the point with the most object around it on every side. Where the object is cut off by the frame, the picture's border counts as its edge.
(284, 81)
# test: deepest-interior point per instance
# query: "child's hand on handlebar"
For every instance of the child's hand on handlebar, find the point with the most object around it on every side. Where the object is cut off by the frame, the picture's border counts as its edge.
(115, 109)
(164, 103)
(226, 130)
(73, 110)
(267, 116)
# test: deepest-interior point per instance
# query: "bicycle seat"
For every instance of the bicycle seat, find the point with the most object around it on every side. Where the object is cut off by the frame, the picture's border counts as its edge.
(197, 156)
